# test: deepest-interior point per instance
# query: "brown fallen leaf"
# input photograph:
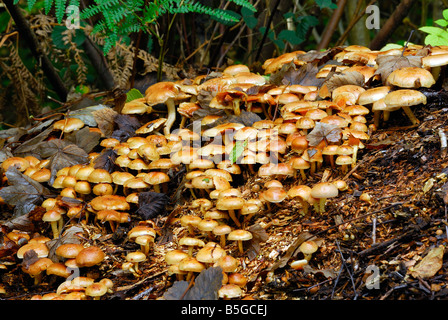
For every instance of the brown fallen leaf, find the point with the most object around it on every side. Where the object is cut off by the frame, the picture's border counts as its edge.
(387, 64)
(22, 192)
(105, 119)
(324, 131)
(429, 265)
(61, 154)
(345, 78)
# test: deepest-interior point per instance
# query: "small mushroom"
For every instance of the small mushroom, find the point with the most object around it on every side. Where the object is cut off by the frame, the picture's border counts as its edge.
(96, 290)
(191, 265)
(308, 248)
(210, 254)
(190, 221)
(53, 217)
(90, 256)
(230, 204)
(229, 291)
(239, 236)
(135, 258)
(221, 231)
(191, 243)
(323, 191)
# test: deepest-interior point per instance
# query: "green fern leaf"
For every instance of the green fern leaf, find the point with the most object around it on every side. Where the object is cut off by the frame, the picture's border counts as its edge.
(244, 4)
(60, 6)
(31, 4)
(47, 6)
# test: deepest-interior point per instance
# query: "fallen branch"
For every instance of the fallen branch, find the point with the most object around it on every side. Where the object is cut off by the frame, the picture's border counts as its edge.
(378, 246)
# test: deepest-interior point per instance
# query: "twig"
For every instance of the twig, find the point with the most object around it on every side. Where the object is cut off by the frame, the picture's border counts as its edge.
(374, 230)
(218, 64)
(344, 264)
(384, 244)
(351, 25)
(271, 16)
(446, 225)
(142, 294)
(443, 142)
(331, 26)
(132, 286)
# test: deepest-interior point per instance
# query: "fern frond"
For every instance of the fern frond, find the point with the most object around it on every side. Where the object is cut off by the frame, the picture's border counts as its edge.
(245, 4)
(100, 7)
(60, 6)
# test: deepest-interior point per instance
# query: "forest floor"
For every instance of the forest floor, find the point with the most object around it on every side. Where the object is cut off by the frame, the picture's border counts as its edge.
(368, 249)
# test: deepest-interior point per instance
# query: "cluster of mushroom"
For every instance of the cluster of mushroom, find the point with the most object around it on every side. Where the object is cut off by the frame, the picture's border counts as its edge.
(72, 257)
(79, 288)
(197, 251)
(217, 153)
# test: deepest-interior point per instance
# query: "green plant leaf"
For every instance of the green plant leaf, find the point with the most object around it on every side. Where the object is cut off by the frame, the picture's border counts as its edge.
(432, 30)
(441, 22)
(291, 37)
(31, 4)
(445, 14)
(133, 94)
(436, 40)
(391, 46)
(326, 4)
(249, 18)
(245, 4)
(47, 6)
(237, 150)
(304, 23)
(226, 17)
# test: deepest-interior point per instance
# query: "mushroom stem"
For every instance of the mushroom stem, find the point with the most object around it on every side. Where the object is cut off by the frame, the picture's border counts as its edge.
(37, 279)
(302, 174)
(233, 217)
(55, 229)
(189, 275)
(322, 205)
(305, 206)
(247, 218)
(312, 168)
(60, 225)
(332, 161)
(307, 256)
(182, 122)
(376, 118)
(316, 207)
(236, 107)
(136, 267)
(171, 116)
(354, 156)
(145, 248)
(222, 241)
(240, 246)
(410, 115)
(112, 226)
